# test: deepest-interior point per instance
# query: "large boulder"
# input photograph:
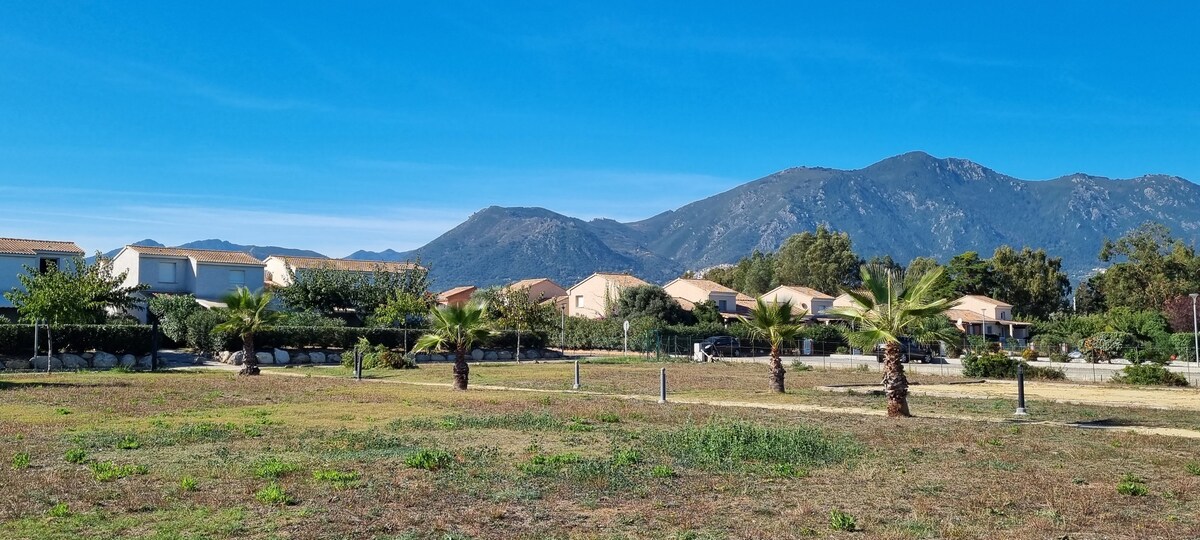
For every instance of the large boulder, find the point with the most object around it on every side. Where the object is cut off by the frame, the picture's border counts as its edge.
(301, 358)
(477, 355)
(505, 355)
(103, 360)
(72, 361)
(437, 358)
(333, 358)
(532, 354)
(88, 355)
(146, 362)
(280, 356)
(237, 358)
(551, 354)
(317, 357)
(265, 358)
(422, 357)
(39, 363)
(451, 357)
(128, 361)
(18, 364)
(491, 355)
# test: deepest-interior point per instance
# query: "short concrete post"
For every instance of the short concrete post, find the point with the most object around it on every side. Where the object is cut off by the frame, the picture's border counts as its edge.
(662, 385)
(576, 385)
(1021, 390)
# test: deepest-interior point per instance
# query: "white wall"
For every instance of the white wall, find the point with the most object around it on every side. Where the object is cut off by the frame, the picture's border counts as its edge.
(211, 281)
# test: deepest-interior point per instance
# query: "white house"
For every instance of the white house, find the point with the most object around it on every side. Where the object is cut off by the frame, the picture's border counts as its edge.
(592, 297)
(17, 253)
(280, 268)
(978, 314)
(207, 274)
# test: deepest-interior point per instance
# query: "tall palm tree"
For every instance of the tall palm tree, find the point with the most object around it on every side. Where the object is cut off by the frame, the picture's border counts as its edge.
(247, 313)
(778, 324)
(457, 328)
(884, 310)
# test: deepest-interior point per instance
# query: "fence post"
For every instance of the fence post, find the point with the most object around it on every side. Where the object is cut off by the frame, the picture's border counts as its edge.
(358, 363)
(662, 385)
(576, 385)
(154, 345)
(1021, 390)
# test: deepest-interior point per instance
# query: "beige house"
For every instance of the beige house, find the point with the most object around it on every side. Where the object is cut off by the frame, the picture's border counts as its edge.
(982, 315)
(592, 297)
(204, 273)
(802, 298)
(540, 289)
(17, 253)
(843, 301)
(281, 268)
(694, 291)
(457, 296)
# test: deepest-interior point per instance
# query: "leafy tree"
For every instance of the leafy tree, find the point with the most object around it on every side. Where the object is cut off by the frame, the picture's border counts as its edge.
(332, 291)
(971, 274)
(884, 311)
(919, 266)
(246, 314)
(777, 324)
(456, 328)
(309, 318)
(1178, 311)
(202, 334)
(403, 310)
(1088, 296)
(707, 312)
(77, 293)
(884, 262)
(649, 301)
(753, 275)
(1148, 267)
(823, 260)
(172, 311)
(514, 308)
(1031, 281)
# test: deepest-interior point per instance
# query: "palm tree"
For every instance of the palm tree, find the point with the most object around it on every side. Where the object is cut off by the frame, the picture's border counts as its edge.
(457, 328)
(247, 313)
(884, 311)
(778, 324)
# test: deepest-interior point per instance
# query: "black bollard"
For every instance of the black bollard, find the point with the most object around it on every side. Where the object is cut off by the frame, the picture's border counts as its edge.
(1021, 389)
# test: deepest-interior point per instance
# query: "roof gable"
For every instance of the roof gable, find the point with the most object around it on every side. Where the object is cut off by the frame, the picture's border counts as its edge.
(352, 265)
(201, 256)
(23, 246)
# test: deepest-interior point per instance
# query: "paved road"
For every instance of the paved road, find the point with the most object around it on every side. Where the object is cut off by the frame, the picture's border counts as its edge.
(1075, 371)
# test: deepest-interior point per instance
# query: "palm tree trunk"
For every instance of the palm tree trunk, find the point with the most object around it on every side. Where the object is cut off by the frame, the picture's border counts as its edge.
(249, 360)
(462, 370)
(777, 371)
(895, 384)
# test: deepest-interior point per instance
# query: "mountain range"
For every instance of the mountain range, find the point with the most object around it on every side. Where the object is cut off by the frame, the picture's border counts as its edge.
(905, 206)
(258, 252)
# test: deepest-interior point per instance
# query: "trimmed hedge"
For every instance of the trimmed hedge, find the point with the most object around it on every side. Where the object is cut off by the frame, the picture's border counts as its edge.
(17, 339)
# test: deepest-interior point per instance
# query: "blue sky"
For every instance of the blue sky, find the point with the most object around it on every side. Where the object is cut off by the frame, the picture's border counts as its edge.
(348, 125)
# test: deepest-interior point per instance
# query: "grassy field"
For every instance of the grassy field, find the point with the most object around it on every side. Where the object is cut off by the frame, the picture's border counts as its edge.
(211, 455)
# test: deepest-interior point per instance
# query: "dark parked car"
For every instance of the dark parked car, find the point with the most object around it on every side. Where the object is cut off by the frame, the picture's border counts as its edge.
(721, 346)
(909, 350)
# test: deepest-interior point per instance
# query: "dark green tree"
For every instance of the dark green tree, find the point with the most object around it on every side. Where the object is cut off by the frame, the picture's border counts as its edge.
(971, 274)
(1148, 266)
(707, 312)
(331, 291)
(649, 301)
(1031, 281)
(76, 293)
(823, 260)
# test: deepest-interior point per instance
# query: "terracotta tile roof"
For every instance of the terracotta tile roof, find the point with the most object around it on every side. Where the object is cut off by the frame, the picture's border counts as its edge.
(985, 299)
(345, 264)
(805, 291)
(528, 283)
(746, 301)
(445, 295)
(200, 255)
(686, 304)
(710, 286)
(974, 317)
(21, 246)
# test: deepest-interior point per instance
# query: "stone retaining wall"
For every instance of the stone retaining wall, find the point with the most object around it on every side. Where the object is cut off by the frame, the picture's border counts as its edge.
(87, 360)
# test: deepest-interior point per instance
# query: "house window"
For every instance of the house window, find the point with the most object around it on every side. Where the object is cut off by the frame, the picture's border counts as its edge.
(579, 301)
(46, 265)
(166, 272)
(722, 305)
(237, 278)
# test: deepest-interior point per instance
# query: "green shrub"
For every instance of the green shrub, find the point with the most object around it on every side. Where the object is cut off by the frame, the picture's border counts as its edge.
(1059, 357)
(1104, 346)
(1029, 355)
(1183, 346)
(1044, 373)
(201, 334)
(273, 493)
(1149, 374)
(188, 483)
(378, 356)
(1132, 485)
(841, 350)
(841, 521)
(76, 456)
(107, 471)
(430, 460)
(129, 442)
(336, 478)
(1193, 468)
(173, 311)
(17, 339)
(662, 471)
(20, 460)
(273, 467)
(991, 365)
(626, 457)
(736, 445)
(60, 510)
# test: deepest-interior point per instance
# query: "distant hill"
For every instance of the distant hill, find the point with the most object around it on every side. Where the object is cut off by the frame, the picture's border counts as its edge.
(905, 206)
(258, 252)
